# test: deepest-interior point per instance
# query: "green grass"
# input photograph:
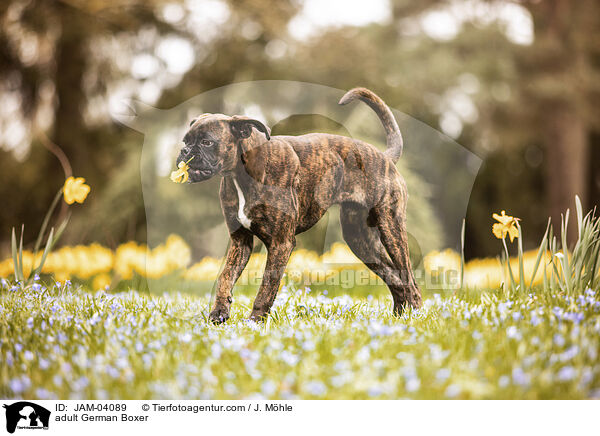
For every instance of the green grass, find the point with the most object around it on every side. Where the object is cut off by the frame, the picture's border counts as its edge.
(62, 342)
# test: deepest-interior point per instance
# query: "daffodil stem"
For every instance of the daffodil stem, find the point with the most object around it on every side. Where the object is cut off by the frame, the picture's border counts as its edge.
(520, 257)
(462, 255)
(46, 221)
(510, 274)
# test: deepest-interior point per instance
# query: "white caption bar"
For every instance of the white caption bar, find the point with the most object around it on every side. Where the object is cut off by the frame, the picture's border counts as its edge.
(293, 417)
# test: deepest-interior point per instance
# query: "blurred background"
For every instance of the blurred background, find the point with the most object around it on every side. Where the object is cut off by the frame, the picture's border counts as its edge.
(515, 83)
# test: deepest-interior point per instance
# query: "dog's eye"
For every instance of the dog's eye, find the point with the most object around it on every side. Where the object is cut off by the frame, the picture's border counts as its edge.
(206, 142)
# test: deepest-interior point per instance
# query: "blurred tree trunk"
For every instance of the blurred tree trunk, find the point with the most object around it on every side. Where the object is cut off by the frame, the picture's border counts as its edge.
(560, 69)
(69, 126)
(567, 162)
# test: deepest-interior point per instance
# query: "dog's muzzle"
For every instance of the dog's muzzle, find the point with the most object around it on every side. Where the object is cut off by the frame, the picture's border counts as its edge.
(199, 168)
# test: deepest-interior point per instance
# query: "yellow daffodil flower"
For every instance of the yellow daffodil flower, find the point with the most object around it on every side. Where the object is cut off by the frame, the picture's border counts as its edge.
(75, 190)
(506, 224)
(181, 175)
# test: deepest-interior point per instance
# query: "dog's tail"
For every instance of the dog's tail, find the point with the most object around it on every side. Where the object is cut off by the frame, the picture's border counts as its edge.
(394, 137)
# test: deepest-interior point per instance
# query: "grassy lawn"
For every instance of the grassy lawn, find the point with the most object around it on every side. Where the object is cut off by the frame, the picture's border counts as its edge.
(66, 342)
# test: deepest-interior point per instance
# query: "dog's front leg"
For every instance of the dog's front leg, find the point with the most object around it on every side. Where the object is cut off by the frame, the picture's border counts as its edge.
(238, 254)
(277, 258)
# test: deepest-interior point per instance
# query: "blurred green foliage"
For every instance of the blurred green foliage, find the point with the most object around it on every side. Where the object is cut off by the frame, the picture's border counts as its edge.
(536, 105)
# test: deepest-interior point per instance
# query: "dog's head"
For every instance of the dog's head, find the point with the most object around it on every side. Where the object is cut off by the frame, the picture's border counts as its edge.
(213, 143)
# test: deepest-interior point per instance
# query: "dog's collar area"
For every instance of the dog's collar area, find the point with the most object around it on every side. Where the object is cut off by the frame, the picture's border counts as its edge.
(241, 216)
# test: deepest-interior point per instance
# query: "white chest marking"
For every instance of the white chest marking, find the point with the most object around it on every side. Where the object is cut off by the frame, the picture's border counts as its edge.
(242, 218)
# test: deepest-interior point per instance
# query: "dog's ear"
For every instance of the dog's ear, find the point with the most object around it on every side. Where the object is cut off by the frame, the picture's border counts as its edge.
(242, 127)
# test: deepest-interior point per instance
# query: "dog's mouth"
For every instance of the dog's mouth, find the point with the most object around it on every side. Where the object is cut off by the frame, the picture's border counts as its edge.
(198, 175)
(199, 168)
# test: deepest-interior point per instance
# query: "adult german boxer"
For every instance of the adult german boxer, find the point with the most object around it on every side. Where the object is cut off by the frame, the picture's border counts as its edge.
(275, 187)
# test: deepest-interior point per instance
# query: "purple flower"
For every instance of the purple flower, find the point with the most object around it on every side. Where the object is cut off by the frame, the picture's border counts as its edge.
(316, 388)
(413, 384)
(19, 385)
(513, 333)
(575, 317)
(557, 311)
(452, 391)
(442, 375)
(566, 373)
(520, 377)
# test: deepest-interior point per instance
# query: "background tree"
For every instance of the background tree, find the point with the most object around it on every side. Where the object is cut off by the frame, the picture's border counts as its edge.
(528, 108)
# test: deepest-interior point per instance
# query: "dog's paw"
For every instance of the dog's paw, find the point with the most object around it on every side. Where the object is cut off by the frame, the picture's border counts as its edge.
(258, 316)
(219, 316)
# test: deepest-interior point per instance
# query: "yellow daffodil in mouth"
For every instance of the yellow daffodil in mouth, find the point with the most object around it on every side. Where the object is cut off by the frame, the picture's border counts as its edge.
(506, 224)
(181, 175)
(75, 190)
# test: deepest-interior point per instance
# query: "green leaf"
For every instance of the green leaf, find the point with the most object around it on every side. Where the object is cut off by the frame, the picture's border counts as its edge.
(20, 252)
(17, 267)
(513, 282)
(46, 251)
(462, 255)
(541, 251)
(45, 222)
(520, 258)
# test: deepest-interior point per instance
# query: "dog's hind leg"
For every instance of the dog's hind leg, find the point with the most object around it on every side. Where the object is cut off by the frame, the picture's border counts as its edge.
(363, 237)
(390, 218)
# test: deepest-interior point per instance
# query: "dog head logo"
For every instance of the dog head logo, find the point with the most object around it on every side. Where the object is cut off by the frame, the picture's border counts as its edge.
(26, 415)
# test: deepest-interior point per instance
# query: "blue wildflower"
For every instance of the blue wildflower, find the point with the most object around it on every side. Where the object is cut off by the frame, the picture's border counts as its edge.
(316, 388)
(18, 385)
(413, 384)
(442, 374)
(566, 373)
(452, 391)
(520, 377)
(513, 333)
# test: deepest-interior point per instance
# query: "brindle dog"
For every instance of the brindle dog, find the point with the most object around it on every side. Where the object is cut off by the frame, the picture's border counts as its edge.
(277, 187)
